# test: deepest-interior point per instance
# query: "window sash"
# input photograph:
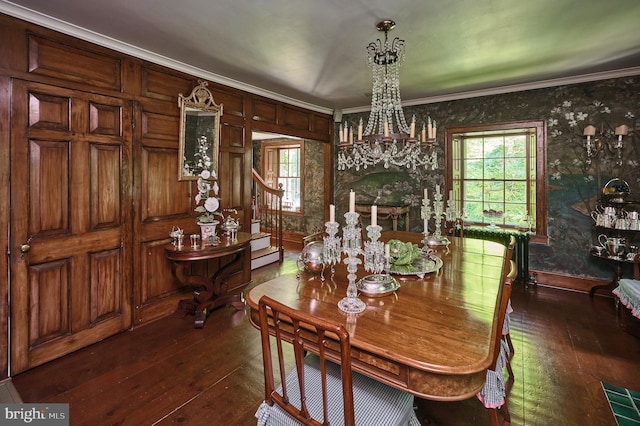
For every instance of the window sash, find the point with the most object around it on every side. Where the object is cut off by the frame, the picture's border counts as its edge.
(500, 187)
(282, 165)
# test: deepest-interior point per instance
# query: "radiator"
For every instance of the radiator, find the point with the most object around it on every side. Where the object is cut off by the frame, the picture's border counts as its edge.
(502, 236)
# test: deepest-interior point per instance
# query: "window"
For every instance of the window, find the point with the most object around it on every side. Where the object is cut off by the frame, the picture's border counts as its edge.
(497, 172)
(282, 163)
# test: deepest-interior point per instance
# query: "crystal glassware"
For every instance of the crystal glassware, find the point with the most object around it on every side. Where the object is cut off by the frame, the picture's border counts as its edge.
(331, 253)
(351, 247)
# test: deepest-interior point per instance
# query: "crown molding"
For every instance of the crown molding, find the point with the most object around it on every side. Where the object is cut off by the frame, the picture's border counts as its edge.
(55, 24)
(52, 23)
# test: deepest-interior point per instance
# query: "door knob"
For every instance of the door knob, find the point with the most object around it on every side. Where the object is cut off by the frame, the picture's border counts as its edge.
(25, 247)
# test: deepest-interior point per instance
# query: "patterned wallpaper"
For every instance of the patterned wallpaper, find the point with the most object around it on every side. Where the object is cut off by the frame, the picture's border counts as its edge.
(313, 218)
(573, 185)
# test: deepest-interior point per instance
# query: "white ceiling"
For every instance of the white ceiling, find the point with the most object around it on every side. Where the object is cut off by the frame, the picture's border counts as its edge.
(313, 52)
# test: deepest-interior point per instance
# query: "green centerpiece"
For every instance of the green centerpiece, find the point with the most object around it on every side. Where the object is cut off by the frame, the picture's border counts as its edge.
(402, 256)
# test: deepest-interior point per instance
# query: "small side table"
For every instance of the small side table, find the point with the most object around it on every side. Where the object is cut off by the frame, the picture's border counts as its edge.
(387, 212)
(616, 263)
(210, 292)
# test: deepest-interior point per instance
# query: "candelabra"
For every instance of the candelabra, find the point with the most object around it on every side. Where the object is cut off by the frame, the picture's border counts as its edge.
(351, 247)
(438, 212)
(331, 251)
(425, 214)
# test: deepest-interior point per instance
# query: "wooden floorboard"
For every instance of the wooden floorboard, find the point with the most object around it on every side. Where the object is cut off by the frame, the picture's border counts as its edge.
(168, 372)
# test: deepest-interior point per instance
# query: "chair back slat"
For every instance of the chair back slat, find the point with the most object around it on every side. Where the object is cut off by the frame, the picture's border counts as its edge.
(305, 333)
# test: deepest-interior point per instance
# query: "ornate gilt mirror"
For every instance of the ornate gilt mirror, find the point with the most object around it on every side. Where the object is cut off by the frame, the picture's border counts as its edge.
(199, 133)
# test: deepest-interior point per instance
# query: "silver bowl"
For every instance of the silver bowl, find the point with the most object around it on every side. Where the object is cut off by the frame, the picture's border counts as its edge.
(311, 257)
(377, 285)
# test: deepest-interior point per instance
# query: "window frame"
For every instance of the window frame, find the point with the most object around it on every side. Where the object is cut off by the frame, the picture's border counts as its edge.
(533, 126)
(276, 145)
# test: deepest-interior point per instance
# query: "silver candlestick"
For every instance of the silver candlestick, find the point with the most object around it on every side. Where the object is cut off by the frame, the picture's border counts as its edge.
(352, 247)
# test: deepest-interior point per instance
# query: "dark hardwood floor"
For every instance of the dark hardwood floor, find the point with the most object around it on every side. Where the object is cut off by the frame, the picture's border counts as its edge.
(167, 372)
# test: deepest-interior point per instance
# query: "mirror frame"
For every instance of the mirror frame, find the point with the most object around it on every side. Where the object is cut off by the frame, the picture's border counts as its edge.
(198, 104)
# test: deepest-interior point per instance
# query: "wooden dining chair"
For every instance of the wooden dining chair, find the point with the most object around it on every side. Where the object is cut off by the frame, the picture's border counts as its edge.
(506, 327)
(493, 395)
(628, 294)
(321, 388)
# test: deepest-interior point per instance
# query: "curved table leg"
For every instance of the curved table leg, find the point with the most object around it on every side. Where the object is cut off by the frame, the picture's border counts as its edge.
(613, 284)
(609, 287)
(211, 292)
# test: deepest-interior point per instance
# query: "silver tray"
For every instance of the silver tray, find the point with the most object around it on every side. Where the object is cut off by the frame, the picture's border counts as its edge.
(424, 264)
(377, 285)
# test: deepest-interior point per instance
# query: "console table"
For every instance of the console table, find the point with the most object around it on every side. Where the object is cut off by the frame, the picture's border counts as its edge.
(387, 212)
(210, 292)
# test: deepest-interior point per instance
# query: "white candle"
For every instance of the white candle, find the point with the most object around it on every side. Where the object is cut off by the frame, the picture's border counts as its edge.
(387, 250)
(426, 225)
(386, 128)
(424, 133)
(351, 135)
(332, 213)
(360, 130)
(451, 194)
(426, 194)
(437, 189)
(352, 202)
(434, 129)
(412, 128)
(374, 215)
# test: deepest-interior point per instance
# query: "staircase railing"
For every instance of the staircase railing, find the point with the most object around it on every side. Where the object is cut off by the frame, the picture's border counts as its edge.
(268, 210)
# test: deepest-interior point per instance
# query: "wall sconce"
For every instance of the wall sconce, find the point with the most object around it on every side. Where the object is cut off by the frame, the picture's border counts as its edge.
(596, 143)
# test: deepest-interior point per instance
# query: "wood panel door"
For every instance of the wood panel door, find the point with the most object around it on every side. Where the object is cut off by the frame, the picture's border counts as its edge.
(70, 221)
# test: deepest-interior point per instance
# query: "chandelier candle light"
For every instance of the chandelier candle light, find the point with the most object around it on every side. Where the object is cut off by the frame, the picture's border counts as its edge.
(379, 141)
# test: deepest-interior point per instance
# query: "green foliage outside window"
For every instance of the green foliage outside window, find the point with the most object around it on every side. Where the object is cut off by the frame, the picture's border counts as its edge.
(495, 182)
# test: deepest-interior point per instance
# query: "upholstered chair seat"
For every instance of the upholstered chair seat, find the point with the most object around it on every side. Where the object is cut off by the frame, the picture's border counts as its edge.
(374, 402)
(628, 291)
(319, 391)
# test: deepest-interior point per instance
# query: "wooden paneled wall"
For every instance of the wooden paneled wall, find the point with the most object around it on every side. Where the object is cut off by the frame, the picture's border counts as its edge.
(146, 200)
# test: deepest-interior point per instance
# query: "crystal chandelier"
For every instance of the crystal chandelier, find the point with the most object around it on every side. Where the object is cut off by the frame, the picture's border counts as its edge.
(379, 142)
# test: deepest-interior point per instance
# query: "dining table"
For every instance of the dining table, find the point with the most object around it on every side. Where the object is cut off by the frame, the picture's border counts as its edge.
(433, 337)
